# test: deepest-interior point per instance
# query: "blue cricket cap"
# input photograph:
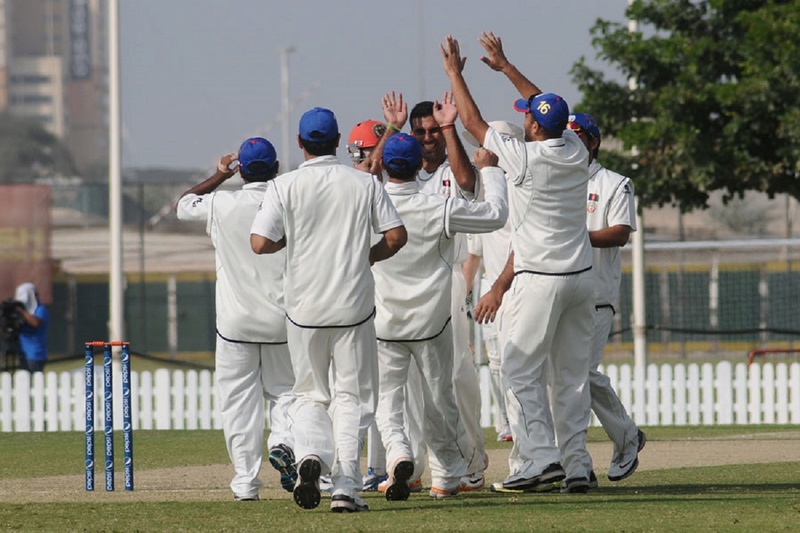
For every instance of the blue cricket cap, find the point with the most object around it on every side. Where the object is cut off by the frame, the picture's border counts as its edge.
(548, 109)
(402, 151)
(257, 150)
(318, 125)
(584, 122)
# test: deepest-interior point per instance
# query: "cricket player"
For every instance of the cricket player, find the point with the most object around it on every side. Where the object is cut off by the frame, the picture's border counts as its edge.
(491, 250)
(324, 214)
(252, 357)
(610, 218)
(447, 170)
(413, 322)
(551, 265)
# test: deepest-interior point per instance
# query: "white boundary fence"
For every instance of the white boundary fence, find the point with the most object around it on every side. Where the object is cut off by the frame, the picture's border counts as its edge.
(660, 395)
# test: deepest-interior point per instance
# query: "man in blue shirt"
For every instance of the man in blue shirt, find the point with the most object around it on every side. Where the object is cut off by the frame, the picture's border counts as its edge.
(33, 334)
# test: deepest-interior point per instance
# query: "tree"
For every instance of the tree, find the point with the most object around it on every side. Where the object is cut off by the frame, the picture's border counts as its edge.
(716, 104)
(28, 151)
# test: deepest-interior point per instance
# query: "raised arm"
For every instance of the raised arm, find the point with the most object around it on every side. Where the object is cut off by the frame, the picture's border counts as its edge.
(467, 108)
(395, 113)
(446, 113)
(496, 60)
(222, 174)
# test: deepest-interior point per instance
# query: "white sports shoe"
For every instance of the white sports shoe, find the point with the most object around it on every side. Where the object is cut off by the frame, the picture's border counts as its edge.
(626, 462)
(471, 482)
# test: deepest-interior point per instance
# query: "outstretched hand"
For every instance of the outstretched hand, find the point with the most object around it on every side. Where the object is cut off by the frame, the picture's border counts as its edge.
(395, 110)
(496, 58)
(445, 112)
(451, 56)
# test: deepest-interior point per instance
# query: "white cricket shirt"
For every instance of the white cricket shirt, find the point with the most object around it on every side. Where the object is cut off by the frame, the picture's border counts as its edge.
(547, 198)
(412, 289)
(442, 181)
(610, 202)
(249, 288)
(328, 212)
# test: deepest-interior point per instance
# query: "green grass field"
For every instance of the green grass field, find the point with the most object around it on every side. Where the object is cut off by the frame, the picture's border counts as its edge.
(742, 497)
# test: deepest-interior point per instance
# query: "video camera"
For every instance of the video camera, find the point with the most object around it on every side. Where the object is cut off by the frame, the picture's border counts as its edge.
(11, 320)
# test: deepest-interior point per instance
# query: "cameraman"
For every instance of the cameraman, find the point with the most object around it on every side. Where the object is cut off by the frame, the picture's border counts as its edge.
(33, 333)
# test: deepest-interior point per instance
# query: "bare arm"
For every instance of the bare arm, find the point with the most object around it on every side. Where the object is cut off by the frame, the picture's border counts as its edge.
(222, 174)
(390, 244)
(470, 268)
(31, 319)
(496, 60)
(446, 113)
(610, 237)
(263, 245)
(489, 304)
(467, 108)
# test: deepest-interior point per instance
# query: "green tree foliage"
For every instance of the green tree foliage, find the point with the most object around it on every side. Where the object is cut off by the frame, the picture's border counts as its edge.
(716, 104)
(28, 151)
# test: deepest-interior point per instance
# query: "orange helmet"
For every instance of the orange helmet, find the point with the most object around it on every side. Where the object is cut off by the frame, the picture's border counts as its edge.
(364, 135)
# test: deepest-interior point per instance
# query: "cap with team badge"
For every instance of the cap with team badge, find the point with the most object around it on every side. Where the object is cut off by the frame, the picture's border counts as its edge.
(579, 122)
(257, 155)
(548, 109)
(318, 125)
(401, 152)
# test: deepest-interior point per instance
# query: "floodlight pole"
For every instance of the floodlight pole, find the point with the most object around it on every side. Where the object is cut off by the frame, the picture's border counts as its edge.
(116, 329)
(285, 107)
(637, 240)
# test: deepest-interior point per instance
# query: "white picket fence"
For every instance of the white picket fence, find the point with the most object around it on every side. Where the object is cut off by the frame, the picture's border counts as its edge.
(660, 395)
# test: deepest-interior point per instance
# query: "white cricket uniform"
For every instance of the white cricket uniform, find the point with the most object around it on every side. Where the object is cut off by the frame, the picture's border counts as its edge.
(493, 249)
(465, 376)
(252, 357)
(413, 297)
(610, 202)
(328, 212)
(549, 306)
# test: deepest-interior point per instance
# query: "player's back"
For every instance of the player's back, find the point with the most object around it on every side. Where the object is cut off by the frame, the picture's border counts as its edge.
(328, 213)
(413, 287)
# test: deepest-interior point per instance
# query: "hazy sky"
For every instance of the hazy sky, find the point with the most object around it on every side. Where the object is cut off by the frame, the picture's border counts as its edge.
(199, 76)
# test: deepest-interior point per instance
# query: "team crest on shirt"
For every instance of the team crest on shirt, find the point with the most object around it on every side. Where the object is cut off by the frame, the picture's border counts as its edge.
(591, 206)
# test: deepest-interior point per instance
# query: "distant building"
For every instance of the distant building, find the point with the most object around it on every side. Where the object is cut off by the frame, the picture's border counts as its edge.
(53, 69)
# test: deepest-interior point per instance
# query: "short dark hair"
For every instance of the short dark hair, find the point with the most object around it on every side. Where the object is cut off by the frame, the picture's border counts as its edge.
(320, 148)
(259, 171)
(405, 174)
(421, 110)
(551, 134)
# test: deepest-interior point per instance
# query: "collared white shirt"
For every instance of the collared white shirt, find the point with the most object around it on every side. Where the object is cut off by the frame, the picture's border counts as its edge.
(443, 181)
(610, 202)
(413, 293)
(547, 198)
(328, 212)
(249, 288)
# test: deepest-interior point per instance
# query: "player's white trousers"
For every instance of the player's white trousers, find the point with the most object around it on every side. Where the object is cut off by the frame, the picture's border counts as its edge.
(434, 358)
(336, 438)
(493, 342)
(465, 378)
(246, 374)
(414, 416)
(549, 323)
(619, 427)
